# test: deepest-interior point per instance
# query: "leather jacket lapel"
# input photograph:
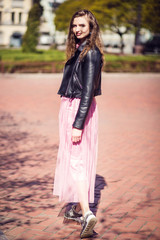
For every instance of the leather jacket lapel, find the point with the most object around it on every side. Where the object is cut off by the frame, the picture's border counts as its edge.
(80, 48)
(72, 59)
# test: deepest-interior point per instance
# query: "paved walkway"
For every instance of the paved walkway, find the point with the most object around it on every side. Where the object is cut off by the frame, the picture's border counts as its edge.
(127, 193)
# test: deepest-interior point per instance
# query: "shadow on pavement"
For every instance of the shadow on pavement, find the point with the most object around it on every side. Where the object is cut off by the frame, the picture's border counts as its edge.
(26, 163)
(27, 182)
(99, 185)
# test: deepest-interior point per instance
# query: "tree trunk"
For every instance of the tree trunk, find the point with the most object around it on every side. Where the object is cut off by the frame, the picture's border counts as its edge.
(138, 27)
(121, 42)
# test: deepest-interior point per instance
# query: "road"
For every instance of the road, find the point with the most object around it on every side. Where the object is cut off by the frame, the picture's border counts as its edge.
(127, 191)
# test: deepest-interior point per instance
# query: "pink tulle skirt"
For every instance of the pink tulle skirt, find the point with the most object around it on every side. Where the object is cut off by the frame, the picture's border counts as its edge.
(76, 162)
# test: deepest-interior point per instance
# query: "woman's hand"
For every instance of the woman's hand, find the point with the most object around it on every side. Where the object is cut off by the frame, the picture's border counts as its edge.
(76, 135)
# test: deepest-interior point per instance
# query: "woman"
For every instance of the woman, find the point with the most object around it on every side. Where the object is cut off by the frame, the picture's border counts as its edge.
(78, 126)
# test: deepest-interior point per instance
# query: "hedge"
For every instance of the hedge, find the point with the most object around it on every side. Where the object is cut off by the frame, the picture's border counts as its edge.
(52, 61)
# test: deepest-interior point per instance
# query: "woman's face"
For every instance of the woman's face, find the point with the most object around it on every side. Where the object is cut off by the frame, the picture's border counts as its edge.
(81, 27)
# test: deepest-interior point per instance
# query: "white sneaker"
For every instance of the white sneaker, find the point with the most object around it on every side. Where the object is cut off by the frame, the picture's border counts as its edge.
(88, 224)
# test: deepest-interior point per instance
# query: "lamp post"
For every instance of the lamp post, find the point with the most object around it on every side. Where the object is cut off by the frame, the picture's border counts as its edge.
(54, 4)
(138, 47)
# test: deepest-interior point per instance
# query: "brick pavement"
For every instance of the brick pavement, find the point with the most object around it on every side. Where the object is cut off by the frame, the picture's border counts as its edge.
(127, 193)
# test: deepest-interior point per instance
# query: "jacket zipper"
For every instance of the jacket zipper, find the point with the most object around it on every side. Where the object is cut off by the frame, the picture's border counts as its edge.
(72, 76)
(78, 81)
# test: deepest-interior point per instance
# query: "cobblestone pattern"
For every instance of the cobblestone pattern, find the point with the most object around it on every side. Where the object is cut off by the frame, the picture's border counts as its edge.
(127, 191)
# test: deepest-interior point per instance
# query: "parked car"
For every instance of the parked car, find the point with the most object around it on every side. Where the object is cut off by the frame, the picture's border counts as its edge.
(152, 45)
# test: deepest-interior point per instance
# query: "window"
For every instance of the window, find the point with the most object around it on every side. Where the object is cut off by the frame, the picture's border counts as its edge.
(13, 17)
(20, 17)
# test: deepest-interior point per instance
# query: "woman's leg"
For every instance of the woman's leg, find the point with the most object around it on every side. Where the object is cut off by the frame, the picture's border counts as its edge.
(89, 219)
(83, 196)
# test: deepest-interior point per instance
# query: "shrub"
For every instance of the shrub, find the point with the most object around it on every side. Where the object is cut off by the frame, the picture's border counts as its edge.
(30, 39)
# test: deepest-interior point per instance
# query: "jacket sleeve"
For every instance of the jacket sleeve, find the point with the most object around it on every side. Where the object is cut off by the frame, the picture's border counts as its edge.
(90, 70)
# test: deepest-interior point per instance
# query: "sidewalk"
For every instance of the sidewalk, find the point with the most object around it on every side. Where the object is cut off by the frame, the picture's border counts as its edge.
(127, 193)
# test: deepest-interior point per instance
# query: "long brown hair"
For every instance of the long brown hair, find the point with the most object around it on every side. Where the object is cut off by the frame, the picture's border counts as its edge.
(93, 39)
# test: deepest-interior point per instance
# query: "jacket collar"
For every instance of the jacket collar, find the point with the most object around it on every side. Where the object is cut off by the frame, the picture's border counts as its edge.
(81, 47)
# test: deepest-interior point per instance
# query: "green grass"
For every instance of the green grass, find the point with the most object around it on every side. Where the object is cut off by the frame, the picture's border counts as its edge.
(56, 55)
(131, 58)
(15, 60)
(41, 55)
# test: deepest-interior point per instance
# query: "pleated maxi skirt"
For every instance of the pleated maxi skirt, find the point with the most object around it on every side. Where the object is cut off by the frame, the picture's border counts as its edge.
(76, 162)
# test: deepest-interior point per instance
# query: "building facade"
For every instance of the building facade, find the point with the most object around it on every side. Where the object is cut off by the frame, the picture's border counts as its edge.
(48, 32)
(13, 19)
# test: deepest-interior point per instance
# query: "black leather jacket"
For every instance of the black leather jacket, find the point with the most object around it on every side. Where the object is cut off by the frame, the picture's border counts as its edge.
(82, 79)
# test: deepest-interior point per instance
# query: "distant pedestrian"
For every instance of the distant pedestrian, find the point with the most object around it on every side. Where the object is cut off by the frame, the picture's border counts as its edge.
(78, 120)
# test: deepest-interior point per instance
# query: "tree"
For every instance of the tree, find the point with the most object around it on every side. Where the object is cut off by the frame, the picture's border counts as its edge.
(111, 14)
(119, 16)
(144, 14)
(30, 39)
(151, 15)
(135, 17)
(66, 10)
